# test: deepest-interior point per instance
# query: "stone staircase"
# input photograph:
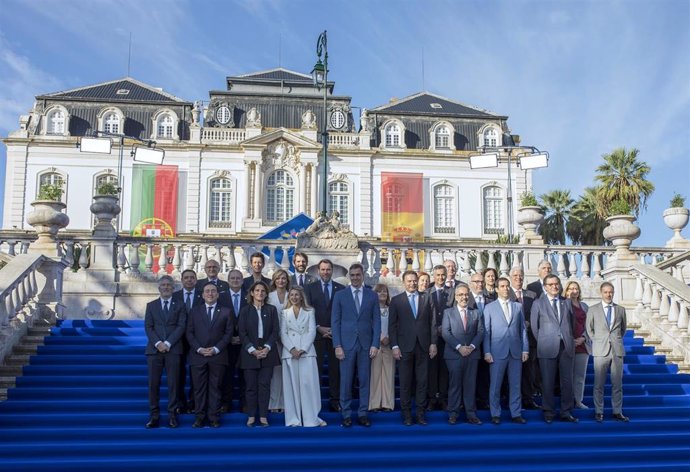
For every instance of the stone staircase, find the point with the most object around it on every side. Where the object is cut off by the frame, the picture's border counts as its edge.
(21, 354)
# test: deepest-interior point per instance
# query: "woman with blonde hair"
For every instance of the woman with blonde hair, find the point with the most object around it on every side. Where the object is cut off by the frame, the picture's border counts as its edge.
(301, 387)
(573, 296)
(382, 380)
(278, 297)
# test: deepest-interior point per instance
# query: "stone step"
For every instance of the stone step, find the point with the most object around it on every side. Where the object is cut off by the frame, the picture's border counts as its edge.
(7, 382)
(3, 394)
(11, 370)
(25, 349)
(39, 340)
(675, 359)
(39, 331)
(17, 359)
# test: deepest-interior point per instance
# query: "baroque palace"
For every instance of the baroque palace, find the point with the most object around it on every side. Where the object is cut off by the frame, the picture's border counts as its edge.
(251, 160)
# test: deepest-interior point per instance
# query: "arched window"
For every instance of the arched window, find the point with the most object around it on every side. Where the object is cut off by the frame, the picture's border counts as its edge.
(493, 210)
(442, 137)
(164, 126)
(111, 123)
(52, 178)
(56, 122)
(339, 200)
(104, 179)
(393, 135)
(444, 209)
(220, 208)
(491, 137)
(280, 197)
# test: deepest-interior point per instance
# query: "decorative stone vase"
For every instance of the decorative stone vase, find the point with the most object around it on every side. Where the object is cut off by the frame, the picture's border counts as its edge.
(621, 231)
(105, 208)
(529, 218)
(47, 219)
(676, 219)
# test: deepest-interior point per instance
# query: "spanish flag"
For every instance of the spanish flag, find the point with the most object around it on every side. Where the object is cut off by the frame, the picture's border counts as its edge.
(403, 207)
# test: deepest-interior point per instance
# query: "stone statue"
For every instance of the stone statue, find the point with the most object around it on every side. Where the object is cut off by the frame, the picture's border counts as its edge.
(364, 121)
(196, 112)
(308, 120)
(327, 233)
(253, 118)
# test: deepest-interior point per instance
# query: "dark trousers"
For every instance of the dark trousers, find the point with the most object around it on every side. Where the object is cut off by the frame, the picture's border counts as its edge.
(181, 395)
(233, 378)
(530, 375)
(413, 366)
(157, 363)
(258, 390)
(483, 381)
(463, 381)
(564, 364)
(438, 375)
(324, 349)
(207, 380)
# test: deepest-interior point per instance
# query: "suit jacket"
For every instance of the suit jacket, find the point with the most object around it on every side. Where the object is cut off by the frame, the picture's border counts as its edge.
(439, 305)
(536, 287)
(222, 285)
(308, 279)
(500, 338)
(315, 298)
(297, 332)
(606, 339)
(249, 281)
(225, 299)
(350, 325)
(197, 299)
(454, 333)
(249, 336)
(528, 298)
(404, 330)
(158, 327)
(202, 332)
(548, 330)
(472, 302)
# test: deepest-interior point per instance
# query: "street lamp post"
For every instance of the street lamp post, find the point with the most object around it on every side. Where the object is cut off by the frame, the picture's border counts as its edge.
(320, 76)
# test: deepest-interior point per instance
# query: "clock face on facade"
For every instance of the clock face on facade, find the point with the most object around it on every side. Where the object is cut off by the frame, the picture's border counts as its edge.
(223, 115)
(337, 119)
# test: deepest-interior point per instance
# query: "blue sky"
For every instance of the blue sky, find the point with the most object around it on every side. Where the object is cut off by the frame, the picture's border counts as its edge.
(577, 78)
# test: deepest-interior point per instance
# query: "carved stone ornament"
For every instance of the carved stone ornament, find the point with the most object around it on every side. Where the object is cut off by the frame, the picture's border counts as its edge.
(219, 114)
(364, 121)
(280, 155)
(253, 118)
(308, 120)
(327, 233)
(338, 177)
(223, 174)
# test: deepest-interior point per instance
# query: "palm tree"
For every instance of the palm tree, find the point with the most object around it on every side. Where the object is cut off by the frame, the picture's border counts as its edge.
(557, 206)
(623, 177)
(585, 226)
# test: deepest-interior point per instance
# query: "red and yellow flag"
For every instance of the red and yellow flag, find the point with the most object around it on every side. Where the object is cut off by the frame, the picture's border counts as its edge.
(402, 202)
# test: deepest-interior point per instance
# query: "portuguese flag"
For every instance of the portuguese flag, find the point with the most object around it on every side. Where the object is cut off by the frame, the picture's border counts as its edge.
(154, 200)
(403, 207)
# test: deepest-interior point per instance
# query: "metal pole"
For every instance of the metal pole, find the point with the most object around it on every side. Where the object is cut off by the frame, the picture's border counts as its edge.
(119, 180)
(510, 199)
(324, 134)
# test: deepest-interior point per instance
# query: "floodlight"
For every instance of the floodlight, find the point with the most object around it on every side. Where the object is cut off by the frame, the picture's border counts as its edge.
(534, 161)
(97, 145)
(482, 161)
(149, 155)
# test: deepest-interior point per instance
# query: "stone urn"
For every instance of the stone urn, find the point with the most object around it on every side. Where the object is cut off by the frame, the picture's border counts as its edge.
(621, 231)
(105, 208)
(47, 219)
(676, 219)
(529, 218)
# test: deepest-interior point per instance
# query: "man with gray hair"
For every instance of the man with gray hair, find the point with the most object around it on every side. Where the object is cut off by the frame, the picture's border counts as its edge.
(544, 269)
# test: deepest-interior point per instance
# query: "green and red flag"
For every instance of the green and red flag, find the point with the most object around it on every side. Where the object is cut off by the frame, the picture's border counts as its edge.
(154, 200)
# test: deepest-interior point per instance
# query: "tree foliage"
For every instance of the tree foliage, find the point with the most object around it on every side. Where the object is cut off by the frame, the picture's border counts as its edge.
(623, 177)
(557, 206)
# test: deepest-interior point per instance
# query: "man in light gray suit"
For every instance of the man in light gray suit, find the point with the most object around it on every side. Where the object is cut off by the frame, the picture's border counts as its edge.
(505, 347)
(356, 328)
(463, 330)
(606, 325)
(551, 324)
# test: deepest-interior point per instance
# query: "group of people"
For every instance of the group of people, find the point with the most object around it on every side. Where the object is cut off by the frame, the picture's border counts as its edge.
(454, 344)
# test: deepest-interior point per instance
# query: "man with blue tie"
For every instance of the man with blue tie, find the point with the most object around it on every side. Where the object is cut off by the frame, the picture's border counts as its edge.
(413, 336)
(606, 324)
(356, 327)
(300, 278)
(212, 269)
(234, 298)
(505, 348)
(477, 300)
(551, 324)
(441, 297)
(164, 323)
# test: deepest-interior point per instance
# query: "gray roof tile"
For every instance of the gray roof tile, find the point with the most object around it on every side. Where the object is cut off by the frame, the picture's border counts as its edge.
(276, 74)
(108, 91)
(426, 103)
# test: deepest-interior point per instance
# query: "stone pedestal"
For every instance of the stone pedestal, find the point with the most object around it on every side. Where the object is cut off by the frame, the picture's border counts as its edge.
(47, 219)
(529, 218)
(621, 231)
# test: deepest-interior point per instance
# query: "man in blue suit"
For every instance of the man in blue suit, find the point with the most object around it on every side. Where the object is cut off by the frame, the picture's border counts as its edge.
(356, 328)
(505, 347)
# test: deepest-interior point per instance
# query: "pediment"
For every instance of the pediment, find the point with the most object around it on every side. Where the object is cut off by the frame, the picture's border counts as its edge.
(281, 134)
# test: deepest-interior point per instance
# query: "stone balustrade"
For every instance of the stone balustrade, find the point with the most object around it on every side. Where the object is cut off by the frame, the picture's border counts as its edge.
(223, 135)
(344, 140)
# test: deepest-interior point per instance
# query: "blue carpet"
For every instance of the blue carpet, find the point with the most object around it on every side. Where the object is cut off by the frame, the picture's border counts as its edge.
(82, 404)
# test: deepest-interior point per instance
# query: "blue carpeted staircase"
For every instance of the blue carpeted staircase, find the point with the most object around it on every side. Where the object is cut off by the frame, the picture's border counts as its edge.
(82, 404)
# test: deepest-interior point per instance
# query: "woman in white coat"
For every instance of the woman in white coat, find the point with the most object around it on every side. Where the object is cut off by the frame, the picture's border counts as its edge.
(301, 388)
(278, 297)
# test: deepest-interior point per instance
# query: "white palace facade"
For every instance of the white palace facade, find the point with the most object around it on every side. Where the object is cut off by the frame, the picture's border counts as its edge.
(251, 158)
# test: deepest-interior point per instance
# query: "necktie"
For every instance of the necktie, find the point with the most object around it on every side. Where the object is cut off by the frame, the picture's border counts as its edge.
(608, 315)
(519, 297)
(506, 311)
(236, 303)
(413, 304)
(188, 302)
(326, 293)
(166, 311)
(449, 284)
(480, 301)
(357, 304)
(301, 280)
(464, 320)
(209, 311)
(554, 304)
(438, 298)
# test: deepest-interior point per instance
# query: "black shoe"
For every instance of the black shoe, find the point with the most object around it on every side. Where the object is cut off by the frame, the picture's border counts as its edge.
(431, 405)
(224, 409)
(215, 424)
(172, 421)
(621, 417)
(529, 405)
(519, 420)
(452, 418)
(421, 419)
(482, 405)
(364, 421)
(443, 405)
(198, 422)
(180, 410)
(548, 419)
(569, 419)
(335, 406)
(495, 420)
(407, 419)
(599, 418)
(153, 422)
(347, 422)
(474, 420)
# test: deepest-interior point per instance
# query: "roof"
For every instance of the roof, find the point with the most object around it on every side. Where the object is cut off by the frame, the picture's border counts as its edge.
(278, 73)
(108, 92)
(432, 104)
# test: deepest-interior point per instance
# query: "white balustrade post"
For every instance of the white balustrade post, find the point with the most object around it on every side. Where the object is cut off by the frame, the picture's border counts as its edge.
(504, 264)
(402, 265)
(163, 259)
(148, 261)
(428, 263)
(390, 264)
(232, 263)
(415, 260)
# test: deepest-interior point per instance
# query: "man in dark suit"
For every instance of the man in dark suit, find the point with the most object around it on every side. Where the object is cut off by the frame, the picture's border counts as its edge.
(212, 268)
(530, 369)
(164, 322)
(463, 331)
(441, 297)
(209, 329)
(356, 325)
(451, 269)
(544, 269)
(189, 297)
(235, 298)
(320, 296)
(413, 336)
(477, 301)
(300, 278)
(551, 324)
(257, 262)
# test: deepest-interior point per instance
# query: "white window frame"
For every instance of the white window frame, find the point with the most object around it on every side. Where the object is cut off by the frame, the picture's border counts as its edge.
(281, 195)
(446, 224)
(105, 118)
(491, 205)
(172, 125)
(339, 193)
(51, 176)
(226, 204)
(48, 129)
(434, 135)
(397, 135)
(483, 133)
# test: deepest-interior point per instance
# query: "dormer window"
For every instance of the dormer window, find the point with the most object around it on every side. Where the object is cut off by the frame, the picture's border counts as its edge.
(56, 122)
(165, 124)
(490, 137)
(442, 137)
(393, 135)
(165, 127)
(111, 123)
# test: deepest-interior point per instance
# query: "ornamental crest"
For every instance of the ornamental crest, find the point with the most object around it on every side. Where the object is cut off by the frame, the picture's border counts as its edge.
(219, 114)
(280, 155)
